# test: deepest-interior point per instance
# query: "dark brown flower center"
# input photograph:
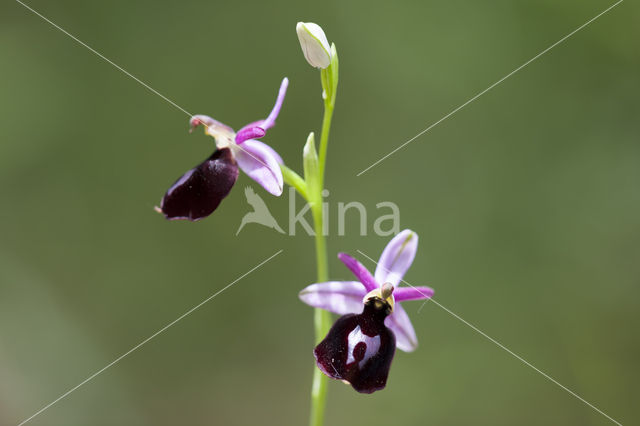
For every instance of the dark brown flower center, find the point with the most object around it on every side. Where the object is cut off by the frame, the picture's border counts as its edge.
(359, 348)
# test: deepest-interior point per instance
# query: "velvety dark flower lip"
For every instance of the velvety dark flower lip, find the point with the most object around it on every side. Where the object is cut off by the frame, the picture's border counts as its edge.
(359, 348)
(345, 297)
(199, 191)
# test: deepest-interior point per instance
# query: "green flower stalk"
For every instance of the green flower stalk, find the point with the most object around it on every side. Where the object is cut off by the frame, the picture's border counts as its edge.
(319, 54)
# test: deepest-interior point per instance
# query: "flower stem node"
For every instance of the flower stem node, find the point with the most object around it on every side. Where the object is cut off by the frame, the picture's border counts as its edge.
(314, 44)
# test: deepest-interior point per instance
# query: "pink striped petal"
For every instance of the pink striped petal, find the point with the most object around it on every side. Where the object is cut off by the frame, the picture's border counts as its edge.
(397, 258)
(339, 297)
(268, 149)
(359, 271)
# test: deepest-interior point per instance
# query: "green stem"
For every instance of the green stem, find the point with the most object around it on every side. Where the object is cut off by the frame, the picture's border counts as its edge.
(322, 322)
(324, 139)
(322, 318)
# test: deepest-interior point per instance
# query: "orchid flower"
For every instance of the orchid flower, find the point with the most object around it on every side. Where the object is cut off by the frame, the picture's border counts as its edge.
(200, 190)
(360, 346)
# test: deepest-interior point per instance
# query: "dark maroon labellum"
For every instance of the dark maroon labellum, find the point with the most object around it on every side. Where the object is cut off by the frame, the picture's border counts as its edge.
(359, 348)
(199, 191)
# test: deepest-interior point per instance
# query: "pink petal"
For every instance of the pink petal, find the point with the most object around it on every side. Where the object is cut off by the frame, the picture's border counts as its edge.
(397, 258)
(258, 161)
(400, 323)
(402, 294)
(339, 297)
(271, 151)
(359, 271)
(270, 121)
(258, 123)
(247, 133)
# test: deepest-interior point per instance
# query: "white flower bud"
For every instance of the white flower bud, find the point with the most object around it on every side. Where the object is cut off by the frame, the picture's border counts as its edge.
(314, 44)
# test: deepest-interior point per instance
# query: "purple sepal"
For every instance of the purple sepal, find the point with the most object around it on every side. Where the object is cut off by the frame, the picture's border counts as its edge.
(361, 273)
(400, 324)
(402, 294)
(258, 161)
(397, 257)
(199, 191)
(358, 349)
(339, 297)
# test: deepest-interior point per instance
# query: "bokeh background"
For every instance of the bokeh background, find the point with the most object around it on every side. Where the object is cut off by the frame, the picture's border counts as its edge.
(526, 203)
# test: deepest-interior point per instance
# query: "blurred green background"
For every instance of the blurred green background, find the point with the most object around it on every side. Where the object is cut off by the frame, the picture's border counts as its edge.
(526, 203)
